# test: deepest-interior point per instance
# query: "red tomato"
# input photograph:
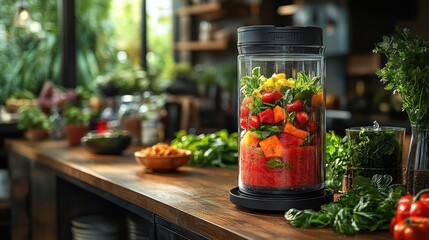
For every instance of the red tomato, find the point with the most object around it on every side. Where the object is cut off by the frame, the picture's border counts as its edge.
(267, 116)
(244, 111)
(425, 198)
(413, 228)
(253, 121)
(302, 119)
(277, 95)
(418, 208)
(312, 126)
(294, 106)
(243, 123)
(267, 97)
(403, 207)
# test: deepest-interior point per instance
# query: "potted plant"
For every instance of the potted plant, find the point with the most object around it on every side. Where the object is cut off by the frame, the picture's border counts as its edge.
(125, 79)
(406, 73)
(75, 124)
(34, 122)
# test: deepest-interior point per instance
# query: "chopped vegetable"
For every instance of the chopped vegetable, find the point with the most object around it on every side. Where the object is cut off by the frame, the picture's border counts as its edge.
(272, 147)
(287, 154)
(291, 129)
(317, 100)
(279, 114)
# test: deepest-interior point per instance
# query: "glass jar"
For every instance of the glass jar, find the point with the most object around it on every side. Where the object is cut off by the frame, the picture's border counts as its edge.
(281, 73)
(417, 171)
(109, 116)
(129, 117)
(151, 110)
(375, 150)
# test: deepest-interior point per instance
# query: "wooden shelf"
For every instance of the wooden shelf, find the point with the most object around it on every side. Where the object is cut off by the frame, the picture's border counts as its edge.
(199, 9)
(202, 45)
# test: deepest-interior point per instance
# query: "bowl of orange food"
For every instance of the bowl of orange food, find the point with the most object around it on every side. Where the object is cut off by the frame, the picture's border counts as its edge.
(162, 157)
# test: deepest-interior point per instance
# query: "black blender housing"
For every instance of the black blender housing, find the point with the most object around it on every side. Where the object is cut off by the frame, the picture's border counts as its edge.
(272, 39)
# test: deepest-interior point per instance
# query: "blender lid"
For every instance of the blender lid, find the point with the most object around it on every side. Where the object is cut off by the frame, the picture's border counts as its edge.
(272, 35)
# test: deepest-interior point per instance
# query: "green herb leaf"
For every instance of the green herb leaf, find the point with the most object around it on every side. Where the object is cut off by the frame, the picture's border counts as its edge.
(368, 207)
(406, 72)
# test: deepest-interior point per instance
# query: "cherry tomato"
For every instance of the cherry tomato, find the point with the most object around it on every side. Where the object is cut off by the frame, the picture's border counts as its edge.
(267, 97)
(244, 111)
(277, 95)
(253, 121)
(243, 123)
(294, 106)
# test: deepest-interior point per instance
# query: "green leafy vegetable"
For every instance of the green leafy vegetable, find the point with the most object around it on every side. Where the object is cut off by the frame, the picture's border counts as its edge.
(218, 149)
(277, 163)
(368, 207)
(337, 160)
(32, 117)
(407, 72)
(251, 83)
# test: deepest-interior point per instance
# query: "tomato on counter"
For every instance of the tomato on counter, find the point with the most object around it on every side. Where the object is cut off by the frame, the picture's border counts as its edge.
(411, 220)
(412, 228)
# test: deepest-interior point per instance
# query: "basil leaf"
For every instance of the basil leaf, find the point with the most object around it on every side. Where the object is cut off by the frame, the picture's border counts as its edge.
(274, 163)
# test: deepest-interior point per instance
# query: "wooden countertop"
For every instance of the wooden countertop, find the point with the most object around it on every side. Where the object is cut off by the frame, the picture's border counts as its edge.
(194, 198)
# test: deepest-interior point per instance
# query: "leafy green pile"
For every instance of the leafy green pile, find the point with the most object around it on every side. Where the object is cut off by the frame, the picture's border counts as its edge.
(368, 207)
(407, 72)
(218, 149)
(337, 160)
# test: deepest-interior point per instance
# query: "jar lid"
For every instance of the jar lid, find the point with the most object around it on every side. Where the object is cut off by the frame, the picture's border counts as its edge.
(272, 35)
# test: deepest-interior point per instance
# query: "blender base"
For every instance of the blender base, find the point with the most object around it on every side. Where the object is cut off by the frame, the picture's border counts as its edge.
(280, 203)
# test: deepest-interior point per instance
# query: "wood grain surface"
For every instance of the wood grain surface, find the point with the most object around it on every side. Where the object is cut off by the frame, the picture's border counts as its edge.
(194, 198)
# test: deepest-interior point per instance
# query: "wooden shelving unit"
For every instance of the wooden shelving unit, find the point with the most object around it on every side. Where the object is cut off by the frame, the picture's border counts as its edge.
(210, 11)
(202, 45)
(200, 9)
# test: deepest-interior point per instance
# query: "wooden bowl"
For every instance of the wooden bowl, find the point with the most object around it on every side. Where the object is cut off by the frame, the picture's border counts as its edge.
(163, 163)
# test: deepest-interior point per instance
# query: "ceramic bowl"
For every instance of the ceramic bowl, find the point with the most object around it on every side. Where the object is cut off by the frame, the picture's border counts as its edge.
(108, 142)
(163, 163)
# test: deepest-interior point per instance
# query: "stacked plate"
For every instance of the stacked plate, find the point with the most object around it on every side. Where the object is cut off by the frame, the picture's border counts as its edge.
(97, 227)
(137, 227)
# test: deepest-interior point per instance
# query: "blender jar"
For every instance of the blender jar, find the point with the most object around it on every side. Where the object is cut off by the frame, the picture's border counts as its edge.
(281, 74)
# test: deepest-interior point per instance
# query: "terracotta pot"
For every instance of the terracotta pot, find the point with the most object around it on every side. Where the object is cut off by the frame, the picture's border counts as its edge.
(36, 134)
(74, 132)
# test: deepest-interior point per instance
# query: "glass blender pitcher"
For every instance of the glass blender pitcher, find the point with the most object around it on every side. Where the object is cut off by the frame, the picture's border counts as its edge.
(281, 74)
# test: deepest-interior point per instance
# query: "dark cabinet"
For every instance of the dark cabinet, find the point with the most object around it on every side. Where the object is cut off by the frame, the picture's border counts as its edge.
(44, 203)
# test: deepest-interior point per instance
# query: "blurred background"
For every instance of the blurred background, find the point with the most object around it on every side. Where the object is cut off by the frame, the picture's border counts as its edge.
(184, 52)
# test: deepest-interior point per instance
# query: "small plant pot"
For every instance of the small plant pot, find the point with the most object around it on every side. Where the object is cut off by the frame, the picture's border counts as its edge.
(36, 134)
(74, 132)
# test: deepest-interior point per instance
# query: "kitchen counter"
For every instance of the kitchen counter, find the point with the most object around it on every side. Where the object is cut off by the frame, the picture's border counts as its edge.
(196, 199)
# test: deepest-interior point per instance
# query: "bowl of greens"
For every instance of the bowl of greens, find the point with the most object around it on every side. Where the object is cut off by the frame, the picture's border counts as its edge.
(108, 142)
